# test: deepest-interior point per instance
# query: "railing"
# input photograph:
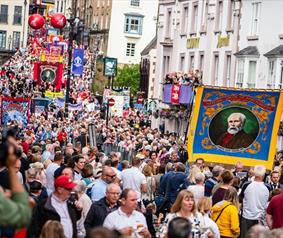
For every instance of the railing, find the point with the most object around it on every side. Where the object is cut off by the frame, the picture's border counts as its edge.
(125, 155)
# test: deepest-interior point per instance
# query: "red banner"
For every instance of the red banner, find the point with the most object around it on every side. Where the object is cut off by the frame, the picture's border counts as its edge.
(175, 94)
(49, 72)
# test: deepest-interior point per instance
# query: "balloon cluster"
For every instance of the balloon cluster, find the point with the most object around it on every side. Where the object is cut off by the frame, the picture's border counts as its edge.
(36, 21)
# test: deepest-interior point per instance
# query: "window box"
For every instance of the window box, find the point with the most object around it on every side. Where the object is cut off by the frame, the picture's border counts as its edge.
(193, 33)
(135, 3)
(251, 38)
(229, 30)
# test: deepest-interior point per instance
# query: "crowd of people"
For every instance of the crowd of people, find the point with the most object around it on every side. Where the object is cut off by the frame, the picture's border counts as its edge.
(16, 78)
(54, 184)
(193, 78)
(85, 191)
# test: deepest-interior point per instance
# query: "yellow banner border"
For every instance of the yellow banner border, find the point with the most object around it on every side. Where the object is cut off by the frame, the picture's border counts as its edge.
(213, 158)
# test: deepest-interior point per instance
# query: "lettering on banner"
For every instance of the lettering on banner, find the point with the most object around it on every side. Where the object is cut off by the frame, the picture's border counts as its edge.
(193, 43)
(223, 41)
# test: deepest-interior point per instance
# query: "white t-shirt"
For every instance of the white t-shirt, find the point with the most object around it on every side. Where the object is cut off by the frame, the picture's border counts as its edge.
(50, 177)
(119, 220)
(255, 200)
(210, 224)
(133, 178)
(198, 191)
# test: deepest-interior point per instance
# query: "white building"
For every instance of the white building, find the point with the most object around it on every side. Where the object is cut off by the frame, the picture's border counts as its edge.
(132, 27)
(200, 34)
(13, 24)
(260, 56)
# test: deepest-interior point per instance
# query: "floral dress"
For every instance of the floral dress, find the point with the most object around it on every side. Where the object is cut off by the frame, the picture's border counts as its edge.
(196, 221)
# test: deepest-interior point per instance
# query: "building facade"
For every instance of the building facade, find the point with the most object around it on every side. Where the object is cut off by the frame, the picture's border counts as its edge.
(94, 16)
(197, 34)
(132, 27)
(260, 55)
(13, 24)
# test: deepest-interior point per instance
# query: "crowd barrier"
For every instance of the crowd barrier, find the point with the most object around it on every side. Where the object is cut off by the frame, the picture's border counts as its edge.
(125, 154)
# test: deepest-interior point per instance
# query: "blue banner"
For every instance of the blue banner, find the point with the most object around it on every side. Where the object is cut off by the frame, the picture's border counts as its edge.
(78, 62)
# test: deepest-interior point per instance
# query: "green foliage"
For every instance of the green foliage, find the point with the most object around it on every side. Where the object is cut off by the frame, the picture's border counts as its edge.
(128, 76)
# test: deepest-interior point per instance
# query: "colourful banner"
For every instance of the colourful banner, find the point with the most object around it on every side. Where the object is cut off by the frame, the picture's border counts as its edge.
(230, 125)
(175, 94)
(60, 102)
(48, 72)
(78, 62)
(39, 105)
(15, 109)
(50, 94)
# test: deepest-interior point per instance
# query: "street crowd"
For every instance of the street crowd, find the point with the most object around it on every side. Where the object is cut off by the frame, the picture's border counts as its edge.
(55, 185)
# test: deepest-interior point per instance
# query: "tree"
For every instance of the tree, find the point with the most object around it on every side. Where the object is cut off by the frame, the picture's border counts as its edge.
(128, 76)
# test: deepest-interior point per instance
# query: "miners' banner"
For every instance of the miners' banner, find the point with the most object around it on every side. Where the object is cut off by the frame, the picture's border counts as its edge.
(15, 109)
(230, 125)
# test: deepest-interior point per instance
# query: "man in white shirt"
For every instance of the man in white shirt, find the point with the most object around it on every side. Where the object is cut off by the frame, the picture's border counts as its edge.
(133, 178)
(255, 196)
(126, 219)
(58, 160)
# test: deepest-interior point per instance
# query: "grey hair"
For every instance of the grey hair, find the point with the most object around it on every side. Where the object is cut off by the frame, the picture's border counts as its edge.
(259, 171)
(113, 185)
(199, 177)
(240, 115)
(81, 187)
(217, 170)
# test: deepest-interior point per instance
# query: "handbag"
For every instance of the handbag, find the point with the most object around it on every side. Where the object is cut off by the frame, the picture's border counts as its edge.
(221, 212)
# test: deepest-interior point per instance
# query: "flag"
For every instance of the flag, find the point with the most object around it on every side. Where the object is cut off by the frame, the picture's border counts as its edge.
(186, 93)
(78, 59)
(231, 125)
(175, 94)
(167, 88)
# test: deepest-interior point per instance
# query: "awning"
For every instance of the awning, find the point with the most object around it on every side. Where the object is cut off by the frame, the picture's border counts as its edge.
(277, 51)
(248, 51)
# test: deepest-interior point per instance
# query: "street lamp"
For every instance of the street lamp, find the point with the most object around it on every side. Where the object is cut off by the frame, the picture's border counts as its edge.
(71, 21)
(24, 23)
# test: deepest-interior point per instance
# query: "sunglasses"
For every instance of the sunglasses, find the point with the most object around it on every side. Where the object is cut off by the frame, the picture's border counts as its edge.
(111, 176)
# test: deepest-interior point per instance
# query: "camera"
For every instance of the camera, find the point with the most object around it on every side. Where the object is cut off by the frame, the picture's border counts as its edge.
(5, 144)
(73, 198)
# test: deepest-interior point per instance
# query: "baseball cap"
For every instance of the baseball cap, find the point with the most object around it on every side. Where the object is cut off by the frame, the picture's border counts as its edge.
(65, 182)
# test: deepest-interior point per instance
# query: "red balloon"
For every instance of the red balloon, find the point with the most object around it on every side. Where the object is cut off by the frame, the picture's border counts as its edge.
(58, 20)
(36, 21)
